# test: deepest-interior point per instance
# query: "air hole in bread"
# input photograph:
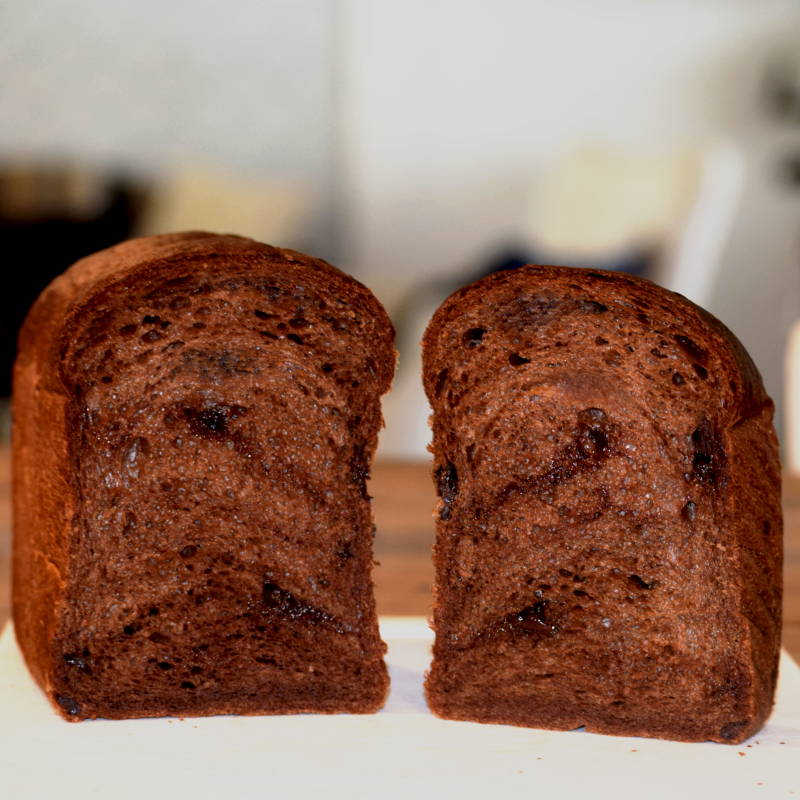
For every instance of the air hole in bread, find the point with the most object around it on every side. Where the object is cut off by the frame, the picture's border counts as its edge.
(709, 454)
(517, 360)
(68, 704)
(534, 619)
(359, 471)
(599, 277)
(441, 379)
(678, 379)
(612, 358)
(593, 307)
(130, 523)
(264, 315)
(693, 350)
(640, 583)
(470, 453)
(345, 552)
(447, 487)
(473, 337)
(276, 599)
(592, 441)
(212, 420)
(294, 338)
(79, 661)
(701, 371)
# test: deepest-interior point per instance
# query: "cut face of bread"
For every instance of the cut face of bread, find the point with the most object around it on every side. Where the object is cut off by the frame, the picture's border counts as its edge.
(608, 548)
(194, 421)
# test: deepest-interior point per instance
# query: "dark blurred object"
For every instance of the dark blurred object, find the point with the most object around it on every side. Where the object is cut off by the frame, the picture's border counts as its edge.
(782, 89)
(634, 262)
(50, 216)
(790, 170)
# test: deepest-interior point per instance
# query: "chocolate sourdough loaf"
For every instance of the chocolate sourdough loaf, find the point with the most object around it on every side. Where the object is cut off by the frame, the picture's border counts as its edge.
(194, 421)
(608, 548)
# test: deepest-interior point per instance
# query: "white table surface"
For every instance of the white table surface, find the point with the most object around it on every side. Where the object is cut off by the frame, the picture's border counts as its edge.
(401, 752)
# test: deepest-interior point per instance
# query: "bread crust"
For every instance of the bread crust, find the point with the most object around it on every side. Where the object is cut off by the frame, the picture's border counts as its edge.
(61, 405)
(613, 556)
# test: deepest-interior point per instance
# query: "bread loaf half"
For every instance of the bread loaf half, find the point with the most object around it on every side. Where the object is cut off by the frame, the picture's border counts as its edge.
(608, 548)
(194, 421)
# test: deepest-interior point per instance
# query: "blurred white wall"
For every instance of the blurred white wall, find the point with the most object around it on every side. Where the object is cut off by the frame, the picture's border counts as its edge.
(144, 85)
(449, 108)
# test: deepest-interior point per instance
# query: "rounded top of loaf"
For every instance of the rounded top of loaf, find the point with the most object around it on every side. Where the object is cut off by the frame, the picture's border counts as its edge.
(106, 277)
(503, 309)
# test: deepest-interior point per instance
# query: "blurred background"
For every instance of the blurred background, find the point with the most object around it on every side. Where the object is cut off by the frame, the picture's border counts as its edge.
(417, 145)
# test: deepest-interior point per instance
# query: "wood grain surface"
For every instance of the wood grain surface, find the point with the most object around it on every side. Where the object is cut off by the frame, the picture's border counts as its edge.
(403, 503)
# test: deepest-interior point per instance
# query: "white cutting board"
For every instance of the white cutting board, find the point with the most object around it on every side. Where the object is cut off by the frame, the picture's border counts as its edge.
(402, 752)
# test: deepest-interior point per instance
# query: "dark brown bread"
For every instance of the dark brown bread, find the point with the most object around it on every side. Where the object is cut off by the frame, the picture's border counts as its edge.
(194, 420)
(608, 548)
